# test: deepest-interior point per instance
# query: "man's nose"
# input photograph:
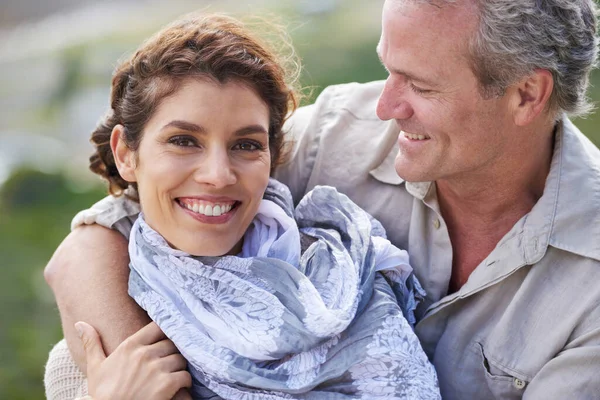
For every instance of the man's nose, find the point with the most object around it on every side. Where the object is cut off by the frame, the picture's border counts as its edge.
(216, 169)
(392, 102)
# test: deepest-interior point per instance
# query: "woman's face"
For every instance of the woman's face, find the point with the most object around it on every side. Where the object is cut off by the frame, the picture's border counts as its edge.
(202, 165)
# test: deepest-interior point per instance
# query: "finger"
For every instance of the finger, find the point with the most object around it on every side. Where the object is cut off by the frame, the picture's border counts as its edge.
(181, 379)
(182, 394)
(163, 348)
(173, 363)
(149, 334)
(174, 382)
(92, 346)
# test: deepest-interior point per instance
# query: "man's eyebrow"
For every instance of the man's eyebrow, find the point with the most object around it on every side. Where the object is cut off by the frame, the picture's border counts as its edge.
(408, 75)
(195, 128)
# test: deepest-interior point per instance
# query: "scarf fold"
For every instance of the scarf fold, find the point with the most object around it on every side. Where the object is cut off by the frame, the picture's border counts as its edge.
(272, 323)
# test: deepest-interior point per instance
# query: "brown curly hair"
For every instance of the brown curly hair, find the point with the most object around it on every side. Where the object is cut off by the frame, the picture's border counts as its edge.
(198, 45)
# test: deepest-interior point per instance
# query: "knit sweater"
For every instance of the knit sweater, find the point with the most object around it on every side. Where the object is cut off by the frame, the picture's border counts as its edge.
(63, 380)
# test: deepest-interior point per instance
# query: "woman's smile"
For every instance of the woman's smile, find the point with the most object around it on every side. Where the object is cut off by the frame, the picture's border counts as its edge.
(210, 212)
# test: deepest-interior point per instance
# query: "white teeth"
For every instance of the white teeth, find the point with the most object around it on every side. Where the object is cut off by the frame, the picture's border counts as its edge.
(415, 136)
(208, 209)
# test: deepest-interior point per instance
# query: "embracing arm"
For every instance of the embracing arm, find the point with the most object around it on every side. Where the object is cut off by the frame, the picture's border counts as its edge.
(89, 274)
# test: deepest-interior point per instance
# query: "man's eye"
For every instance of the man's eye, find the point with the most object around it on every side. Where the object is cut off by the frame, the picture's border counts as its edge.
(182, 141)
(418, 90)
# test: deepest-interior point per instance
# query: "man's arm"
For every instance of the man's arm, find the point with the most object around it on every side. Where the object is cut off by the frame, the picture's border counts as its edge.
(89, 275)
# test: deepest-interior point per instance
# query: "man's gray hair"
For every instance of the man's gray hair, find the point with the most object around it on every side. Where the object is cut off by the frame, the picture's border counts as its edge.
(515, 37)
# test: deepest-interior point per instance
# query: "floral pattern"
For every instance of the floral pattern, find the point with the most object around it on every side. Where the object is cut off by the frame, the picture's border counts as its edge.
(395, 365)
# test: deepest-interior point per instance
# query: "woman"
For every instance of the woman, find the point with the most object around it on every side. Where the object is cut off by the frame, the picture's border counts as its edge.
(262, 300)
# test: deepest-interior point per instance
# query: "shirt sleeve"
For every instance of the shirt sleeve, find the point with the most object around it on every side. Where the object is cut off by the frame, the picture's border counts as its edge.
(117, 213)
(62, 378)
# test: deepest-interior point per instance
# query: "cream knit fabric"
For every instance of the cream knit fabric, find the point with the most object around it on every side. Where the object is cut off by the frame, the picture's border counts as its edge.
(62, 379)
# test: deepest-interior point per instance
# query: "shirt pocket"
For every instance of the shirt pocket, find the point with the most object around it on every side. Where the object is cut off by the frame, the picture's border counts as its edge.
(502, 382)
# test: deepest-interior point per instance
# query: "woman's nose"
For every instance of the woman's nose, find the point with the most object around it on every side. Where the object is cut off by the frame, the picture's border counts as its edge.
(216, 169)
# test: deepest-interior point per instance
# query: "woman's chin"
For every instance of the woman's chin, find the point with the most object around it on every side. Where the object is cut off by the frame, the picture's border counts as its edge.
(210, 250)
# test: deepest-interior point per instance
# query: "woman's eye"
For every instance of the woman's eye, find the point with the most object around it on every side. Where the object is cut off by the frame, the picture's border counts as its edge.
(248, 146)
(182, 141)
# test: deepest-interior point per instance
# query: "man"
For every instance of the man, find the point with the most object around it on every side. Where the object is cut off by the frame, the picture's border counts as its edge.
(468, 158)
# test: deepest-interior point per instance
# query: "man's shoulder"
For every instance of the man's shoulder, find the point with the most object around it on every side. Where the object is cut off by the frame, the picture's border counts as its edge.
(358, 99)
(340, 111)
(338, 141)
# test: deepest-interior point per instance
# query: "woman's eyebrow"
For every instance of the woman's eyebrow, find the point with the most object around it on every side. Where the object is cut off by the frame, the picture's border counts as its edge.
(195, 128)
(251, 129)
(184, 125)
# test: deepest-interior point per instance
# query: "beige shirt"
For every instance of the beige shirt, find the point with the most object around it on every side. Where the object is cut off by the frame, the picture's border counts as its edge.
(527, 322)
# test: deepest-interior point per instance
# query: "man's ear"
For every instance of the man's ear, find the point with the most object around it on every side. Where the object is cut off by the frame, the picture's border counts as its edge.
(124, 156)
(531, 96)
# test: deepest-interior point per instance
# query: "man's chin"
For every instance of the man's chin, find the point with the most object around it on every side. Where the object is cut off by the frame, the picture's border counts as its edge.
(410, 174)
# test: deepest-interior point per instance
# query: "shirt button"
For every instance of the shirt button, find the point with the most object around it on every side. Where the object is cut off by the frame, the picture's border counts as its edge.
(436, 223)
(518, 383)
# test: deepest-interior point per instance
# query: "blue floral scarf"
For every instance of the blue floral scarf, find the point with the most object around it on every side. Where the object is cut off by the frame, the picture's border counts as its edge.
(331, 323)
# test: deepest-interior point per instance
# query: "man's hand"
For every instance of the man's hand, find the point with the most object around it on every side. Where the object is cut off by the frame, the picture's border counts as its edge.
(145, 366)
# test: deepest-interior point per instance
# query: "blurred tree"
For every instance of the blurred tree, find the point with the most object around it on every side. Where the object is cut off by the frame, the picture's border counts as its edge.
(35, 213)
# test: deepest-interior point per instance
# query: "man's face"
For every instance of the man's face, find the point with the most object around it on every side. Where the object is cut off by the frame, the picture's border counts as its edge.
(449, 131)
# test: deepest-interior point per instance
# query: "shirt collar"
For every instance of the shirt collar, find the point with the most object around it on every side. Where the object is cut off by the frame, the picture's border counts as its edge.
(569, 212)
(567, 216)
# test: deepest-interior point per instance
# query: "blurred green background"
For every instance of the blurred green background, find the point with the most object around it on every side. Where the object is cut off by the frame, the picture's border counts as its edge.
(55, 67)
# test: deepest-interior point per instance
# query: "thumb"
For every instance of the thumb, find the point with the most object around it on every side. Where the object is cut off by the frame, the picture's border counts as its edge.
(94, 353)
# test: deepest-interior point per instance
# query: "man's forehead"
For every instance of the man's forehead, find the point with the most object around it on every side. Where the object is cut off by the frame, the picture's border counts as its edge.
(425, 42)
(458, 19)
(399, 5)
